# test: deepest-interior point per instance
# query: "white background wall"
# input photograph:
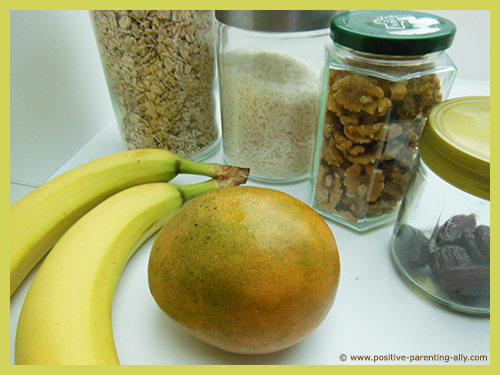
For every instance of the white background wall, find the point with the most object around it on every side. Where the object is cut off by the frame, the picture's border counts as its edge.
(59, 99)
(471, 48)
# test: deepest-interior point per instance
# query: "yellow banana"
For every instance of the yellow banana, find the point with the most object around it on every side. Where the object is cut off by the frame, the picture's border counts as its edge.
(39, 219)
(66, 316)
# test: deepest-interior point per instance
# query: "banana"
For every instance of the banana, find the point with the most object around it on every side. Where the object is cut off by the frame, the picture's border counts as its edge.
(39, 219)
(66, 315)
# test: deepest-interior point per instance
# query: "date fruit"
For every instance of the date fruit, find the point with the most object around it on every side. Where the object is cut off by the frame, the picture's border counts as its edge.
(455, 230)
(447, 257)
(482, 241)
(458, 254)
(412, 247)
(467, 281)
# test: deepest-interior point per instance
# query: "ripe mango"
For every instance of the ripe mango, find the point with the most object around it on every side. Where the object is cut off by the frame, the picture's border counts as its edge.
(247, 269)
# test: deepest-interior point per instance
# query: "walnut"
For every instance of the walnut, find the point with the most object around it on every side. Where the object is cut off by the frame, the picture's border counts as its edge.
(390, 150)
(333, 106)
(360, 118)
(356, 92)
(364, 181)
(407, 156)
(369, 133)
(331, 124)
(356, 150)
(334, 75)
(393, 90)
(381, 207)
(321, 192)
(331, 154)
(423, 93)
(397, 179)
(357, 206)
(328, 130)
(370, 138)
(347, 214)
(328, 186)
(398, 90)
(370, 155)
(327, 207)
(348, 120)
(341, 141)
(345, 145)
(379, 107)
(333, 184)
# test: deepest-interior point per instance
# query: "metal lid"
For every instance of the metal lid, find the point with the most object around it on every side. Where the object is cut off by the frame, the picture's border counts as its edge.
(277, 20)
(392, 32)
(455, 144)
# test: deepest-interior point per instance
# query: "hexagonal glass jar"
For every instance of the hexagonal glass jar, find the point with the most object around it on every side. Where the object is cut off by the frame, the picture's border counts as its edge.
(384, 72)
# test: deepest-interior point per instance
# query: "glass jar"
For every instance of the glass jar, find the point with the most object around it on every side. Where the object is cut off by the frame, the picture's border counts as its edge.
(160, 70)
(384, 72)
(270, 65)
(441, 240)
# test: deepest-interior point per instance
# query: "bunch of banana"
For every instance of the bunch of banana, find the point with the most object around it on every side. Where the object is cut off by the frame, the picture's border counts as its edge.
(66, 316)
(39, 219)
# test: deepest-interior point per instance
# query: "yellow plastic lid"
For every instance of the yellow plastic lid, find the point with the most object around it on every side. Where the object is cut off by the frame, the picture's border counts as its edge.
(455, 144)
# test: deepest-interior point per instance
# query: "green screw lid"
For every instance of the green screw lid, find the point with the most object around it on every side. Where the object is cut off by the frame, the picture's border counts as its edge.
(392, 32)
(455, 144)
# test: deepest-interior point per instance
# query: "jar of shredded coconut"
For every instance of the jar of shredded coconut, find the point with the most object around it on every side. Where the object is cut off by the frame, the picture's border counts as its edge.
(269, 82)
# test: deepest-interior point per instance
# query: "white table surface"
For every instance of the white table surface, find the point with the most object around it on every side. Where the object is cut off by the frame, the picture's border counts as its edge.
(375, 313)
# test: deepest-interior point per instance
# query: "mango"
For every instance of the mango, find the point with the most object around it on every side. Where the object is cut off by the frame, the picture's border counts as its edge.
(246, 269)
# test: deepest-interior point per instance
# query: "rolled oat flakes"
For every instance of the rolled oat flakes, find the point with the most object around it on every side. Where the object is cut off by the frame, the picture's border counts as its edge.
(160, 70)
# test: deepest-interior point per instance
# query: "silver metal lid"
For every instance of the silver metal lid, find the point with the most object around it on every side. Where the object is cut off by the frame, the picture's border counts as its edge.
(277, 20)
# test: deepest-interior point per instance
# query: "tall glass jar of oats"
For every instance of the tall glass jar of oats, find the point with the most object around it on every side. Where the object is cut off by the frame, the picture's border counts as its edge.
(384, 72)
(160, 70)
(270, 64)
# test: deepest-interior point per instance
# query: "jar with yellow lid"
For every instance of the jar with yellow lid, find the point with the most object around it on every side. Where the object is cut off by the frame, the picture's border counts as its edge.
(441, 240)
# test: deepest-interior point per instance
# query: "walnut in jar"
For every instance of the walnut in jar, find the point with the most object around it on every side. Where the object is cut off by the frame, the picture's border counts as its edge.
(369, 140)
(381, 80)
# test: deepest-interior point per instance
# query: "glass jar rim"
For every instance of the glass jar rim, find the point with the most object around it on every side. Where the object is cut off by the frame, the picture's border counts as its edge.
(277, 20)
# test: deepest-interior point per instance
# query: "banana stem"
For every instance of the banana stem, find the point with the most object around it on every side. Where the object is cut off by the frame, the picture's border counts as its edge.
(192, 191)
(227, 175)
(193, 167)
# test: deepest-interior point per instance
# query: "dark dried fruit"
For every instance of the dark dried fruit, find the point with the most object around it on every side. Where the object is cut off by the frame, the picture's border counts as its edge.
(469, 281)
(468, 242)
(411, 247)
(482, 240)
(454, 230)
(464, 221)
(458, 255)
(447, 257)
